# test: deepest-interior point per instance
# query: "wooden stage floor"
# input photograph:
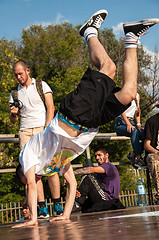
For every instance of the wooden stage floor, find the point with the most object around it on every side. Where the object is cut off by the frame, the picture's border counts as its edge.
(136, 223)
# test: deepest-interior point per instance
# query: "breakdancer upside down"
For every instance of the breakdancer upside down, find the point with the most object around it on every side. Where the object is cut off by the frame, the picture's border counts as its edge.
(95, 102)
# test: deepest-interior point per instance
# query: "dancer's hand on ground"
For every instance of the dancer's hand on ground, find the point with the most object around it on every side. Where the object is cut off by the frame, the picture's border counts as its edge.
(26, 224)
(60, 218)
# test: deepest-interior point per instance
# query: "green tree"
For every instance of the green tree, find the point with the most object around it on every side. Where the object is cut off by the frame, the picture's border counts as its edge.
(54, 55)
(7, 56)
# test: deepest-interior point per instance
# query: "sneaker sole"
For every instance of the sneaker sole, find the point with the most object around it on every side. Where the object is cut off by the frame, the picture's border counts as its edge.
(144, 22)
(55, 213)
(96, 13)
(43, 217)
(136, 165)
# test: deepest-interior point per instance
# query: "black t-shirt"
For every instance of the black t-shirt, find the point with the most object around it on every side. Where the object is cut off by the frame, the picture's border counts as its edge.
(151, 130)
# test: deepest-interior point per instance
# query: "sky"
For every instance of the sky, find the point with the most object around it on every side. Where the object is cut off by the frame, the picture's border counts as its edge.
(16, 15)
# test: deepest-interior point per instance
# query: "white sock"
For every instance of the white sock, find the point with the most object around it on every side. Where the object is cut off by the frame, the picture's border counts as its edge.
(90, 32)
(131, 40)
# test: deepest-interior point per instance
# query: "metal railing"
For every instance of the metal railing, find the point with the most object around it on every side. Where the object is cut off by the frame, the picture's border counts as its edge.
(13, 138)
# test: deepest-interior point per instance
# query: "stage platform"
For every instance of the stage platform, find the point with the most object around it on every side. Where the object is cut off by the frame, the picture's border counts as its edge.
(136, 223)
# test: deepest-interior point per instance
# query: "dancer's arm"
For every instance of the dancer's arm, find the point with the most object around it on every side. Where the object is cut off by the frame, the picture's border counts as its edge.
(70, 195)
(32, 198)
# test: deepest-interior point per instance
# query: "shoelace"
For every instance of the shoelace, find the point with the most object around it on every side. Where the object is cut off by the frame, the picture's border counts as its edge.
(143, 31)
(98, 21)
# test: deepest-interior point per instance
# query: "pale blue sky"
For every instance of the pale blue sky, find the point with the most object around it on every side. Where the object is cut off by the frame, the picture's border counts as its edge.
(16, 15)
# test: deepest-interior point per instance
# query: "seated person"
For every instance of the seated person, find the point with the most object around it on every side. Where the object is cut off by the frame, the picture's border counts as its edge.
(26, 211)
(126, 126)
(151, 146)
(100, 191)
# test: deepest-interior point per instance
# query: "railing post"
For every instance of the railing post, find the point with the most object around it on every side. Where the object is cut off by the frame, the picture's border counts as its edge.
(2, 213)
(15, 211)
(129, 199)
(62, 202)
(132, 198)
(88, 157)
(50, 203)
(123, 198)
(19, 210)
(7, 212)
(11, 215)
